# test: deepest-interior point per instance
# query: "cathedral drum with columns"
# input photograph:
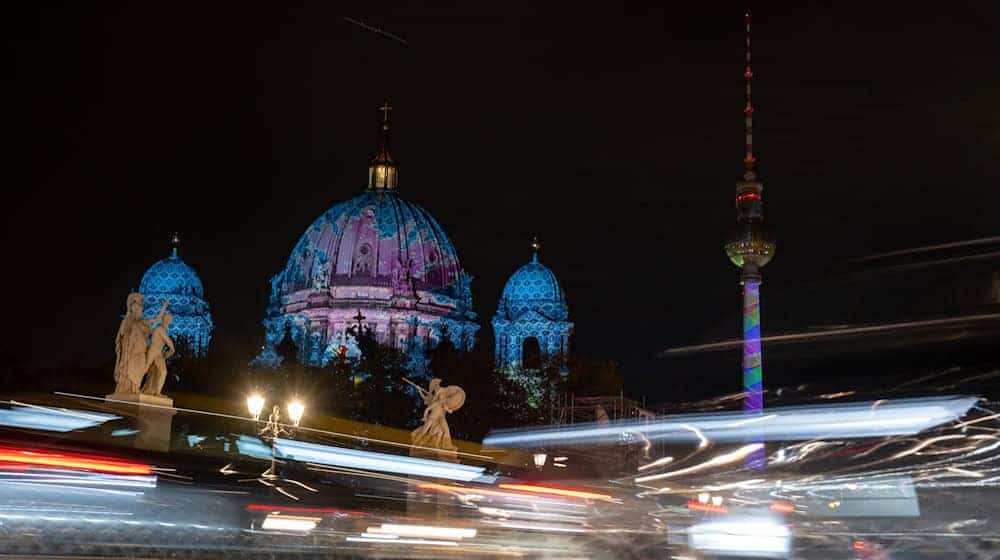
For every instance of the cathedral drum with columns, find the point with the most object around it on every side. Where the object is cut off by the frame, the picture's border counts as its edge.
(375, 260)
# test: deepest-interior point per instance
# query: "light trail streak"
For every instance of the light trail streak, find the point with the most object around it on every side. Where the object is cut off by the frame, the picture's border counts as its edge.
(657, 463)
(823, 421)
(719, 460)
(734, 343)
(929, 248)
(370, 460)
(553, 491)
(38, 458)
(376, 30)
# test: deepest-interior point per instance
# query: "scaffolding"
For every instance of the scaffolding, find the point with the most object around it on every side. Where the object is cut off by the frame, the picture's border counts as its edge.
(599, 409)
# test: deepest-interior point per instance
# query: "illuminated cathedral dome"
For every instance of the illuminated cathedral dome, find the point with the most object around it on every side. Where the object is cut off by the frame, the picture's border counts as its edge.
(533, 287)
(172, 279)
(532, 308)
(373, 239)
(375, 256)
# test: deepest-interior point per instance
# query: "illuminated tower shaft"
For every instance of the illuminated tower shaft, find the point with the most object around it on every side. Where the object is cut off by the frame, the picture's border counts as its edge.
(753, 399)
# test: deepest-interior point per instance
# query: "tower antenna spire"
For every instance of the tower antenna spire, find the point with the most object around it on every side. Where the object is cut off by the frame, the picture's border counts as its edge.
(748, 159)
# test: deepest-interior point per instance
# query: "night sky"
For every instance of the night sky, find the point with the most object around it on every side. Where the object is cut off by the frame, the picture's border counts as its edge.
(615, 135)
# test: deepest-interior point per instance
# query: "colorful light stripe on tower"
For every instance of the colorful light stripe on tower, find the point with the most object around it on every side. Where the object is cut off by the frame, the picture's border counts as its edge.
(752, 373)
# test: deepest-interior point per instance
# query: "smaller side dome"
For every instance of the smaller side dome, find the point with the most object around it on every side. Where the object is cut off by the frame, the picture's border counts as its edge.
(173, 280)
(532, 312)
(172, 276)
(533, 287)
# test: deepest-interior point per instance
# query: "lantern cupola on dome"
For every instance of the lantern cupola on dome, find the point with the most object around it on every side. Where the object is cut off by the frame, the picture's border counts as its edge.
(382, 174)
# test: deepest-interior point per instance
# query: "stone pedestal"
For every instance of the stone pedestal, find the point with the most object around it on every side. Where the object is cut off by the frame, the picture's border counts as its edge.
(154, 414)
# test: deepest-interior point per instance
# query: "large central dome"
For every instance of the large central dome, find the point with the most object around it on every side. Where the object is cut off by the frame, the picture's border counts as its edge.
(373, 239)
(377, 260)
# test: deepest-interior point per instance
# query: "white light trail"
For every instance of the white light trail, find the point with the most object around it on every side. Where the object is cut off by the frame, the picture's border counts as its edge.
(369, 460)
(289, 523)
(792, 423)
(723, 459)
(423, 531)
(373, 540)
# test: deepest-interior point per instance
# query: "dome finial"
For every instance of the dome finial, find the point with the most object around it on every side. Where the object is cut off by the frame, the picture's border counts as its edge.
(385, 108)
(382, 170)
(535, 246)
(175, 241)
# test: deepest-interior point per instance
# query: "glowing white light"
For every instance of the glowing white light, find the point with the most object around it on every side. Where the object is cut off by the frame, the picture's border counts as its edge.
(657, 463)
(423, 531)
(703, 497)
(364, 539)
(255, 404)
(750, 537)
(369, 460)
(289, 523)
(540, 459)
(51, 419)
(295, 411)
(717, 500)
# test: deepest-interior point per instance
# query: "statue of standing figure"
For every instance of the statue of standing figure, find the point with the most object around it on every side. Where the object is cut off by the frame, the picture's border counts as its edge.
(156, 358)
(131, 346)
(440, 400)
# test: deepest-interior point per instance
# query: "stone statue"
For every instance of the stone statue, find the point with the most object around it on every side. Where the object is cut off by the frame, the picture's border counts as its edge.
(440, 400)
(156, 358)
(131, 345)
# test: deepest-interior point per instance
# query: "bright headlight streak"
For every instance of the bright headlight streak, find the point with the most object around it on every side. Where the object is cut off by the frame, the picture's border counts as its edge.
(78, 479)
(751, 538)
(964, 472)
(723, 459)
(289, 523)
(363, 539)
(702, 440)
(369, 460)
(924, 444)
(423, 531)
(657, 463)
(51, 419)
(557, 491)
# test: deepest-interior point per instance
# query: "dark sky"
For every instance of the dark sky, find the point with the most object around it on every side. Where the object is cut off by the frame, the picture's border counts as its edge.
(615, 135)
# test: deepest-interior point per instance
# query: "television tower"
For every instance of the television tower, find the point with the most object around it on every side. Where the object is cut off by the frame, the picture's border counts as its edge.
(750, 247)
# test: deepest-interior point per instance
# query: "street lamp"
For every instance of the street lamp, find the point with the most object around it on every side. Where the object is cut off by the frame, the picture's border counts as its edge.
(295, 411)
(273, 427)
(540, 460)
(255, 403)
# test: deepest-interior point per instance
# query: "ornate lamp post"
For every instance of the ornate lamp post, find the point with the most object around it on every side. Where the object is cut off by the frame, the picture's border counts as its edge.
(273, 427)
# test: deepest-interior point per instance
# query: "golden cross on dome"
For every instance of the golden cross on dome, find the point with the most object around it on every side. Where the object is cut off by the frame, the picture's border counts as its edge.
(385, 108)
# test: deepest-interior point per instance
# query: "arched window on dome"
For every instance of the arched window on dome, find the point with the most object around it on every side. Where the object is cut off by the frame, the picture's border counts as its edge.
(531, 353)
(363, 260)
